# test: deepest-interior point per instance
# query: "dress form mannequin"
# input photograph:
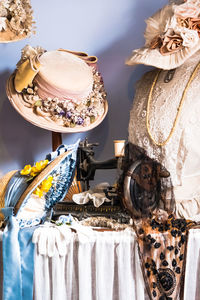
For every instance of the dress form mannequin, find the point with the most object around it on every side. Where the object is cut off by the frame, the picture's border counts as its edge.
(181, 155)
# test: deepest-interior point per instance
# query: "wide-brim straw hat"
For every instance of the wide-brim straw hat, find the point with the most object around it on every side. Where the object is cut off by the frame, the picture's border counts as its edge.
(16, 100)
(157, 26)
(15, 190)
(42, 119)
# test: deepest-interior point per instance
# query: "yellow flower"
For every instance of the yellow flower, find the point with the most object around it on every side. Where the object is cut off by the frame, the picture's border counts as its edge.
(34, 171)
(46, 184)
(26, 170)
(38, 192)
(44, 163)
(41, 165)
(44, 187)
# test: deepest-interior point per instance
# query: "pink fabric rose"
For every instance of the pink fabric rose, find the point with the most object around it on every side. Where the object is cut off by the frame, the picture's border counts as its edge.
(187, 10)
(171, 43)
(194, 24)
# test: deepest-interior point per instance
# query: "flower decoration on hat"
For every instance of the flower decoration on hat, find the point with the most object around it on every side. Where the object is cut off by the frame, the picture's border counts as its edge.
(44, 187)
(181, 29)
(16, 21)
(33, 171)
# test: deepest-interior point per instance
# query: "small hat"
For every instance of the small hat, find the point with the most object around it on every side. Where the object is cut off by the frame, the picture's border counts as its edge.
(60, 90)
(16, 21)
(172, 36)
(19, 194)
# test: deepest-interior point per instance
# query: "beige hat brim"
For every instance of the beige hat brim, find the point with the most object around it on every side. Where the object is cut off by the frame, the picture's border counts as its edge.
(153, 57)
(27, 113)
(39, 178)
(8, 36)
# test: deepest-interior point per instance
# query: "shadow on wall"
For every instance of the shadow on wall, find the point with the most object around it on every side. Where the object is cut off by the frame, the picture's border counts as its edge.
(19, 140)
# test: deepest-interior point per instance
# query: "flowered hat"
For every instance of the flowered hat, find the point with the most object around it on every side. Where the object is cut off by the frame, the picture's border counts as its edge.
(59, 90)
(172, 36)
(30, 193)
(16, 21)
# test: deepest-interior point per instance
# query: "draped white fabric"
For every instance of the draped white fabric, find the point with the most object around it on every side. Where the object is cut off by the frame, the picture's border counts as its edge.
(103, 266)
(192, 274)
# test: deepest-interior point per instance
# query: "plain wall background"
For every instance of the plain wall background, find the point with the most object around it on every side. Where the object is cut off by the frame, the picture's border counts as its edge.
(109, 29)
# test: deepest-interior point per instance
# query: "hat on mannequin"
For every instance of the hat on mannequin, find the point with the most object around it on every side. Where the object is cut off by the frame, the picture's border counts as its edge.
(172, 36)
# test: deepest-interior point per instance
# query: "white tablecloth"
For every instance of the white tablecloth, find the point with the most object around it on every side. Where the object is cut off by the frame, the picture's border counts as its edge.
(105, 266)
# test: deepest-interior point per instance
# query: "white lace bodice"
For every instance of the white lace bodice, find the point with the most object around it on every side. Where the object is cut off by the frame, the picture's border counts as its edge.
(181, 155)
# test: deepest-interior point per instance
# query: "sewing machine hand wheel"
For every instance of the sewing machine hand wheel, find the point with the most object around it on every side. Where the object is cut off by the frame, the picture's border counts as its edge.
(142, 187)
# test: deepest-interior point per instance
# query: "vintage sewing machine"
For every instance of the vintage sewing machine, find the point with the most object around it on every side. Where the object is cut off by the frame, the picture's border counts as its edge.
(137, 192)
(87, 166)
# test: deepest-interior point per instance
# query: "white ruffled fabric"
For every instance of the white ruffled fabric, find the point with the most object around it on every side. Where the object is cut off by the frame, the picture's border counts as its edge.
(104, 265)
(181, 155)
(96, 195)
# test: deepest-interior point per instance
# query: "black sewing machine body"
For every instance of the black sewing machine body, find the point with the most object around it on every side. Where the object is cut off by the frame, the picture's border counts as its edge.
(87, 165)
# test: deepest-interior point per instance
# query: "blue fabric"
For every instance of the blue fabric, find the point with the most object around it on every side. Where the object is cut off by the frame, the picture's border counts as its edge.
(66, 170)
(62, 149)
(15, 188)
(11, 262)
(18, 261)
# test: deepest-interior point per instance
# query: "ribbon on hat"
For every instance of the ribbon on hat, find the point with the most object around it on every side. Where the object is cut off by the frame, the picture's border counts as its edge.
(89, 59)
(27, 67)
(26, 73)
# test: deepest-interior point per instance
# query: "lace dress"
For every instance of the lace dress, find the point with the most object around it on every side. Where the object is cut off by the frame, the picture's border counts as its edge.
(181, 155)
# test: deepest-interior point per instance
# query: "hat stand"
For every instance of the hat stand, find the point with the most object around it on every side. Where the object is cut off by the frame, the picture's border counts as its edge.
(56, 140)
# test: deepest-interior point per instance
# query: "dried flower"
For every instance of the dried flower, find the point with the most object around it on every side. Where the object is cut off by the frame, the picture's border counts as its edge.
(171, 43)
(187, 10)
(3, 24)
(190, 37)
(194, 24)
(18, 14)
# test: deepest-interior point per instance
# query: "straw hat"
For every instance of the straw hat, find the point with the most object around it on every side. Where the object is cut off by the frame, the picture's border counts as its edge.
(16, 22)
(47, 111)
(172, 36)
(15, 190)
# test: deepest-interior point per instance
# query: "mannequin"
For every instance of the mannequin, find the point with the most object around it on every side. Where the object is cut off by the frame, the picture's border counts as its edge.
(154, 112)
(181, 155)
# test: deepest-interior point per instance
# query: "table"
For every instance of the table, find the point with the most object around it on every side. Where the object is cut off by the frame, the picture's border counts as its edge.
(104, 266)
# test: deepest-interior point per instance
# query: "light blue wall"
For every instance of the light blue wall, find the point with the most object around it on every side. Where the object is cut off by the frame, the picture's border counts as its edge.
(109, 29)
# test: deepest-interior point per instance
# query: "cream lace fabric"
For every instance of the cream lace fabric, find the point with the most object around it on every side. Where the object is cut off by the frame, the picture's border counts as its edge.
(181, 155)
